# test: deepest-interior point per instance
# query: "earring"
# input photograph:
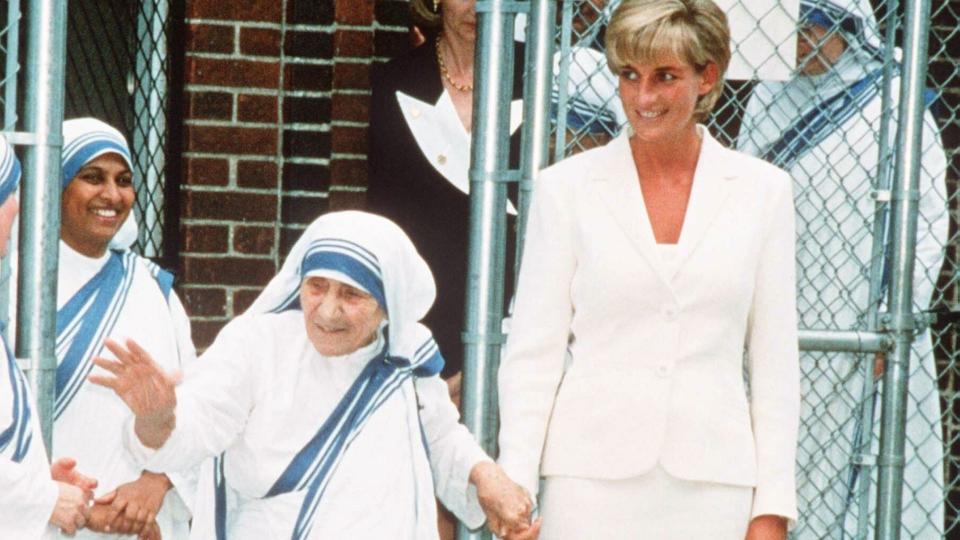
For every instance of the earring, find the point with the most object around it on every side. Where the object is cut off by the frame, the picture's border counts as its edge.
(436, 6)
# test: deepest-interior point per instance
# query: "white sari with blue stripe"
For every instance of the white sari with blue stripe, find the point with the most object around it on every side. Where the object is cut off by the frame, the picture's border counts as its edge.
(28, 494)
(119, 295)
(825, 131)
(315, 447)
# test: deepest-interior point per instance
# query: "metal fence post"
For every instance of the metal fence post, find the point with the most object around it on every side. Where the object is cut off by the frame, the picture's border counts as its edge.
(40, 219)
(493, 85)
(535, 137)
(900, 321)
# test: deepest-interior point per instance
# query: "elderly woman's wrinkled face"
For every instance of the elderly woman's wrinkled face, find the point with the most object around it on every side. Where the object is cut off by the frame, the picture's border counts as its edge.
(818, 49)
(95, 204)
(339, 318)
(459, 19)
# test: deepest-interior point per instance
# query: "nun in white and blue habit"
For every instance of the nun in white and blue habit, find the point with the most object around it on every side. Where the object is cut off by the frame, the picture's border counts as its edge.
(117, 295)
(29, 494)
(825, 130)
(321, 447)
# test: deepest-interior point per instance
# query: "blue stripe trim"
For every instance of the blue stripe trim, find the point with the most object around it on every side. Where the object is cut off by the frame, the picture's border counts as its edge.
(18, 432)
(76, 159)
(85, 321)
(9, 177)
(348, 265)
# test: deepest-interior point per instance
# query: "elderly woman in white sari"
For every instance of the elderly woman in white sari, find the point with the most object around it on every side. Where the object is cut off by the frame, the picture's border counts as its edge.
(323, 404)
(35, 495)
(824, 127)
(103, 293)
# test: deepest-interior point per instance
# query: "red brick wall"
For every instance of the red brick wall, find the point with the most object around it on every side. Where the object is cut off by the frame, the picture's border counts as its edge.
(276, 103)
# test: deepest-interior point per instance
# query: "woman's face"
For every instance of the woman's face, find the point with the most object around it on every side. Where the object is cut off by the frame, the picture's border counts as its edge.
(339, 318)
(95, 204)
(660, 97)
(818, 49)
(459, 19)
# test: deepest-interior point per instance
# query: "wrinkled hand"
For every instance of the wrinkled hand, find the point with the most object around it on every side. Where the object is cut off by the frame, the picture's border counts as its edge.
(767, 527)
(506, 504)
(132, 508)
(146, 388)
(530, 533)
(71, 511)
(63, 470)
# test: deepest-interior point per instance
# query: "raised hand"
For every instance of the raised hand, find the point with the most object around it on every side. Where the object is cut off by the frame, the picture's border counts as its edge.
(507, 505)
(147, 389)
(64, 470)
(71, 511)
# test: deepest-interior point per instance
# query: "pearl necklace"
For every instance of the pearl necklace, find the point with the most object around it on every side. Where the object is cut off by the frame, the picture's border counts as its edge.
(445, 74)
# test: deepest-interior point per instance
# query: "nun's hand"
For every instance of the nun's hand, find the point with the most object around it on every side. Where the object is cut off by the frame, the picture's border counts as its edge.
(147, 389)
(507, 505)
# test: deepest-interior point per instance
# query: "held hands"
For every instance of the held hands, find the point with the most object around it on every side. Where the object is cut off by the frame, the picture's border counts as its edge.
(71, 511)
(132, 508)
(146, 388)
(507, 505)
(64, 470)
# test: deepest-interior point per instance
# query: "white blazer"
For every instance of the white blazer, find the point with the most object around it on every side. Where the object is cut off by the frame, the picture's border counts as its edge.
(655, 374)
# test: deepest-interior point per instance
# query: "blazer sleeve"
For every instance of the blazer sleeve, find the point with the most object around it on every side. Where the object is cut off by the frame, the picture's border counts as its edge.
(773, 353)
(533, 361)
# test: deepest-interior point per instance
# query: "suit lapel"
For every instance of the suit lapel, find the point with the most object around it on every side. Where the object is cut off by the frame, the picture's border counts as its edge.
(618, 187)
(711, 189)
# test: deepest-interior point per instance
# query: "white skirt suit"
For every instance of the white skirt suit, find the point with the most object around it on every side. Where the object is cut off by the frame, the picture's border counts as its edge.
(618, 368)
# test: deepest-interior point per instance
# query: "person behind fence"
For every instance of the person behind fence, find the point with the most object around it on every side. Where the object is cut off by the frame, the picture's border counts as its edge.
(420, 125)
(106, 293)
(655, 262)
(36, 497)
(323, 404)
(824, 127)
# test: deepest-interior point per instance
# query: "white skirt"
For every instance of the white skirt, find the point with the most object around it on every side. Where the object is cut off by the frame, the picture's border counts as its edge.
(655, 506)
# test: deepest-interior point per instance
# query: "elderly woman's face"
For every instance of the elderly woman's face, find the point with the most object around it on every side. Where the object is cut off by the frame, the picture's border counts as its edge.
(818, 49)
(459, 18)
(339, 318)
(660, 97)
(95, 204)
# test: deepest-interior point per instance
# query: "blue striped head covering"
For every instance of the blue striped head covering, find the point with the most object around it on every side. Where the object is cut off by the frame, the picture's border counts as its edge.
(9, 170)
(373, 254)
(852, 18)
(85, 139)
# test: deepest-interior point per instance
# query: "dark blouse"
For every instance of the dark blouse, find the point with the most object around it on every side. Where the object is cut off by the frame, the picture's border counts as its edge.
(405, 187)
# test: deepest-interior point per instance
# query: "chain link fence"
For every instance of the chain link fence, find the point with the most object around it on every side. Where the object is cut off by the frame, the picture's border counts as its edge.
(830, 119)
(118, 70)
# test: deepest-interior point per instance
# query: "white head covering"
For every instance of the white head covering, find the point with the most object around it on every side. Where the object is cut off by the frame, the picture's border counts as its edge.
(86, 139)
(776, 105)
(9, 170)
(373, 254)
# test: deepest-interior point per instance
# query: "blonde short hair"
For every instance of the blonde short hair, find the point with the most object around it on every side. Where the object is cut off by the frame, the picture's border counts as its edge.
(423, 14)
(695, 31)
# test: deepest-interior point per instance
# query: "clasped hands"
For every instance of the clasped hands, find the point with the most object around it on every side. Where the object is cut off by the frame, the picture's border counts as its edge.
(507, 505)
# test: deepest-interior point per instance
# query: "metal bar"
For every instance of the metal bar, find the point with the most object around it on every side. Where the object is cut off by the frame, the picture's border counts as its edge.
(900, 320)
(493, 85)
(563, 80)
(878, 262)
(40, 220)
(149, 130)
(535, 137)
(854, 341)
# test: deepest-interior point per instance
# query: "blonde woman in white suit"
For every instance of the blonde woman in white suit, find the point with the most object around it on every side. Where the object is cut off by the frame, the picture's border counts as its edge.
(654, 263)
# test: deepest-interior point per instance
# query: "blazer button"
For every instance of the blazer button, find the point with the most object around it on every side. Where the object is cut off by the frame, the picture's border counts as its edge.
(663, 370)
(670, 314)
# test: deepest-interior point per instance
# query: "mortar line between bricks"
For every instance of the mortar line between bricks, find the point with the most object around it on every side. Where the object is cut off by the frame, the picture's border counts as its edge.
(265, 59)
(281, 95)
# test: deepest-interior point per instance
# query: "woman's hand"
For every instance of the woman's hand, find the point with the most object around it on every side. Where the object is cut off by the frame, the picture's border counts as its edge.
(71, 511)
(133, 507)
(506, 505)
(64, 470)
(146, 388)
(767, 527)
